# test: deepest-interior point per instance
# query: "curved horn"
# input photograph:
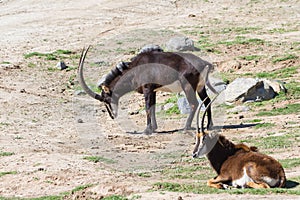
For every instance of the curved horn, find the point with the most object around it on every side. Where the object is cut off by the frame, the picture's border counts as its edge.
(81, 79)
(200, 128)
(198, 113)
(203, 116)
(198, 134)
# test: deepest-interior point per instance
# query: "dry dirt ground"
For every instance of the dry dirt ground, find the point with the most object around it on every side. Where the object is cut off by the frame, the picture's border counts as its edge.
(46, 130)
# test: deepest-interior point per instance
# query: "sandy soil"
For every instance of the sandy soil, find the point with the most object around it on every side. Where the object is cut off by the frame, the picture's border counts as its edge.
(40, 117)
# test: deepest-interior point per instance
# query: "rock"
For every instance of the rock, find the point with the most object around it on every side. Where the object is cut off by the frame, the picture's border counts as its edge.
(79, 92)
(184, 107)
(150, 47)
(248, 89)
(238, 88)
(277, 86)
(261, 91)
(168, 106)
(180, 44)
(61, 65)
(217, 84)
(239, 109)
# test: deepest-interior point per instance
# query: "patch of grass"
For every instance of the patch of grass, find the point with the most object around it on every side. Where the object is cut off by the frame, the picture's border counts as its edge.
(205, 44)
(279, 30)
(284, 58)
(239, 30)
(202, 188)
(240, 40)
(288, 109)
(264, 125)
(254, 120)
(4, 124)
(6, 154)
(97, 159)
(144, 174)
(250, 57)
(173, 110)
(31, 65)
(58, 54)
(282, 73)
(290, 163)
(197, 172)
(115, 197)
(39, 198)
(268, 142)
(6, 173)
(81, 187)
(5, 62)
(293, 90)
(197, 188)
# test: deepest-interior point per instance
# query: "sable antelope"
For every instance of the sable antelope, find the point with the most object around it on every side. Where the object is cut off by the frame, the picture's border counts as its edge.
(237, 165)
(149, 71)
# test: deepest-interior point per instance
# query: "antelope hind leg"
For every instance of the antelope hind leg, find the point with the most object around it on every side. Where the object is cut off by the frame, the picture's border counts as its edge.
(257, 185)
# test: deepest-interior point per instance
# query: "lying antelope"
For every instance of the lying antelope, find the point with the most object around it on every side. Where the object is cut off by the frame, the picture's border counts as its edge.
(237, 165)
(148, 72)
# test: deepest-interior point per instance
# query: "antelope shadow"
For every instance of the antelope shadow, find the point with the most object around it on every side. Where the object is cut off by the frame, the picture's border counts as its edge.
(232, 126)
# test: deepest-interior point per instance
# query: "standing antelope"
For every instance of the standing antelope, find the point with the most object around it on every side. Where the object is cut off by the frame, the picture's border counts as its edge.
(237, 165)
(149, 71)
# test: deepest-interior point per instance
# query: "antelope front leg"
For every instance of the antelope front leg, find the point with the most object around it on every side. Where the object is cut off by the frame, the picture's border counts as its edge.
(217, 182)
(149, 95)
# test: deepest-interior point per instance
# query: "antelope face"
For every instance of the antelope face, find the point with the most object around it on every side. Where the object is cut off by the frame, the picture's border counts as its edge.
(111, 101)
(204, 144)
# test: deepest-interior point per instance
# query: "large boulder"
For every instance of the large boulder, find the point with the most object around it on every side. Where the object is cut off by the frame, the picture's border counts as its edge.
(248, 89)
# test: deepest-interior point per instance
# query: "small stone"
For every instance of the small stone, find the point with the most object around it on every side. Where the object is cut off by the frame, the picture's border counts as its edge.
(180, 44)
(61, 65)
(79, 121)
(79, 92)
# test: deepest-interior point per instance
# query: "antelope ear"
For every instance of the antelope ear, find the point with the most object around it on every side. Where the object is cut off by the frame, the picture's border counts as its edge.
(105, 89)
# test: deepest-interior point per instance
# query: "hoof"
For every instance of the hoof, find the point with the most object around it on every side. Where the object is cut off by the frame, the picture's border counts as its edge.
(148, 131)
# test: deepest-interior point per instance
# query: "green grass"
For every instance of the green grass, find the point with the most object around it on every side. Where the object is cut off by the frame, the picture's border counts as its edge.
(250, 57)
(205, 44)
(288, 109)
(97, 159)
(183, 171)
(145, 174)
(281, 73)
(202, 188)
(239, 30)
(269, 142)
(254, 120)
(290, 162)
(115, 197)
(6, 173)
(293, 90)
(6, 154)
(58, 54)
(4, 124)
(281, 30)
(81, 187)
(284, 58)
(264, 125)
(241, 40)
